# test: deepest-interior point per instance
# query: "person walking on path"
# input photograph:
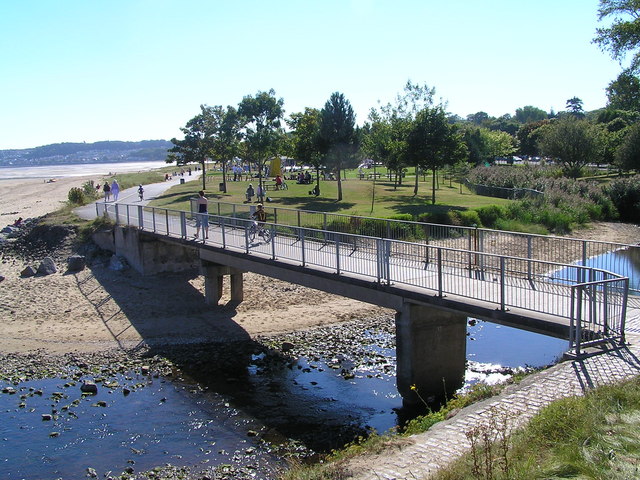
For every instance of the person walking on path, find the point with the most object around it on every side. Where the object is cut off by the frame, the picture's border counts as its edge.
(115, 189)
(250, 193)
(107, 191)
(202, 217)
(141, 192)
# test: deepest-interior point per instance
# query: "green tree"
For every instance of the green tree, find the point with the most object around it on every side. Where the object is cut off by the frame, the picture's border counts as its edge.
(530, 114)
(305, 138)
(624, 93)
(628, 154)
(574, 107)
(622, 37)
(213, 133)
(433, 142)
(479, 118)
(338, 137)
(263, 136)
(528, 137)
(573, 143)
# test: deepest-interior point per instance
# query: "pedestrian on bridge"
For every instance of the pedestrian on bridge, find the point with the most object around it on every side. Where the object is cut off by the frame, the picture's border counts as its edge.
(202, 217)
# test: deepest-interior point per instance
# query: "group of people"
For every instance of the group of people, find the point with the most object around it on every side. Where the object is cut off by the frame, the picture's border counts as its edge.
(109, 190)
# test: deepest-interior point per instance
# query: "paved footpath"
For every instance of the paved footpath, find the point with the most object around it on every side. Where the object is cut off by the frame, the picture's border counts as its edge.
(425, 453)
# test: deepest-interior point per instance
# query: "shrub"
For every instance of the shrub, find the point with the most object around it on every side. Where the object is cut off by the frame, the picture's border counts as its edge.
(76, 196)
(490, 214)
(625, 196)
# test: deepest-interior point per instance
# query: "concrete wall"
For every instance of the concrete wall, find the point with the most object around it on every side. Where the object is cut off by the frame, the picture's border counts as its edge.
(145, 253)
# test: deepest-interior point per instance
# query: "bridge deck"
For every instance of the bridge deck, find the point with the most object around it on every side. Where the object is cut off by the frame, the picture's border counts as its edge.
(525, 293)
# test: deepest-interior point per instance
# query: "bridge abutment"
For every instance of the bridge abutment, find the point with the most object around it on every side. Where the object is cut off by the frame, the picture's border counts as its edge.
(213, 282)
(431, 347)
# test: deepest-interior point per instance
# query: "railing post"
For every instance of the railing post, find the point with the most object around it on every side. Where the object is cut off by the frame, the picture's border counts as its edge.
(578, 330)
(115, 207)
(128, 216)
(154, 221)
(337, 254)
(439, 263)
(529, 257)
(502, 285)
(183, 224)
(387, 258)
(166, 217)
(388, 223)
(379, 248)
(140, 219)
(224, 233)
(273, 241)
(301, 237)
(246, 238)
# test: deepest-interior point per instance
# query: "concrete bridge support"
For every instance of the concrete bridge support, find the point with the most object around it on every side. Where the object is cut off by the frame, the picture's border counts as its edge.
(213, 281)
(431, 347)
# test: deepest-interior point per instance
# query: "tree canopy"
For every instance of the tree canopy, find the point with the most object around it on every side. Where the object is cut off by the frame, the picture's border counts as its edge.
(622, 37)
(338, 138)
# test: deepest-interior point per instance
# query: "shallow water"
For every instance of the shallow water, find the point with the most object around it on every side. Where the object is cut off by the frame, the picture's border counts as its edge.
(77, 170)
(240, 417)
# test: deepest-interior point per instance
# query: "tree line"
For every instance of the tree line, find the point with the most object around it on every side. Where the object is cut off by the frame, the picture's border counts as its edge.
(416, 131)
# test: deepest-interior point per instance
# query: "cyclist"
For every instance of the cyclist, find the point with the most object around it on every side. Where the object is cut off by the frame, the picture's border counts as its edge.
(140, 191)
(260, 216)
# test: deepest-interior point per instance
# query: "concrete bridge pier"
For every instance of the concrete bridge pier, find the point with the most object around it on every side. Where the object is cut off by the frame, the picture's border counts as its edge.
(431, 348)
(213, 280)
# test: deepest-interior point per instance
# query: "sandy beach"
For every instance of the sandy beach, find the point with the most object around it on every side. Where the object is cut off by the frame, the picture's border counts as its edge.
(99, 308)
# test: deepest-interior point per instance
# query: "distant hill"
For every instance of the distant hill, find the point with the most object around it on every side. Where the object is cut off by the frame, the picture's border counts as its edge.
(79, 153)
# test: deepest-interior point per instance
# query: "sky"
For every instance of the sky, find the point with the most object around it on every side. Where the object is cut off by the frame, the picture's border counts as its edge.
(86, 71)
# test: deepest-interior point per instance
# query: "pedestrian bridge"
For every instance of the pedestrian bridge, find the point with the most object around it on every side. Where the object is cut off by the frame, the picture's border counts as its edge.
(432, 288)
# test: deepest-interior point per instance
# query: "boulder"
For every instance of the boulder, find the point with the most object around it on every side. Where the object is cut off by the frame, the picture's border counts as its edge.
(89, 387)
(75, 263)
(117, 263)
(47, 266)
(28, 272)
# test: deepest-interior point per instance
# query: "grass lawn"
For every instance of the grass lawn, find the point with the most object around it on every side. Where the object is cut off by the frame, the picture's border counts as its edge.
(357, 196)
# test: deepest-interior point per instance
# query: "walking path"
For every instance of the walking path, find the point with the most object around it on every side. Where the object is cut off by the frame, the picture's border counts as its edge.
(427, 452)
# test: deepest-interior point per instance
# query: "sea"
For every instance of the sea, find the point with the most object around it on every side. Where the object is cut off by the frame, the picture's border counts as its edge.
(76, 170)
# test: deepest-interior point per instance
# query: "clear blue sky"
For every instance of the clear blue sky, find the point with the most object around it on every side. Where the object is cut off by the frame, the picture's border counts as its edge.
(78, 70)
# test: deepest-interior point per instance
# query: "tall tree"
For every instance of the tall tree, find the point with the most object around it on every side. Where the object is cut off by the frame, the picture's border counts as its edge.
(338, 138)
(433, 142)
(225, 126)
(622, 37)
(262, 117)
(624, 93)
(574, 107)
(205, 137)
(306, 138)
(573, 142)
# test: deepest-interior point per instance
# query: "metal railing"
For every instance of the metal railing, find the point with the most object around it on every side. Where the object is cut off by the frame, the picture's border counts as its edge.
(499, 242)
(592, 300)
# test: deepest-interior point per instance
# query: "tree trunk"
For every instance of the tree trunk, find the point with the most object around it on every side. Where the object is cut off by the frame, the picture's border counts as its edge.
(339, 184)
(433, 187)
(415, 187)
(204, 177)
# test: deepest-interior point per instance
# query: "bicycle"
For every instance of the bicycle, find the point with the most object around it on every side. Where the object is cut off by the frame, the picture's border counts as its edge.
(256, 230)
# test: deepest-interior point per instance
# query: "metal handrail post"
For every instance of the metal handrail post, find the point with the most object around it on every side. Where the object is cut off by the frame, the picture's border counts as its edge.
(387, 259)
(379, 259)
(166, 216)
(183, 224)
(154, 221)
(439, 261)
(272, 231)
(338, 255)
(503, 293)
(301, 237)
(140, 219)
(246, 238)
(128, 216)
(578, 339)
(572, 319)
(224, 236)
(115, 207)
